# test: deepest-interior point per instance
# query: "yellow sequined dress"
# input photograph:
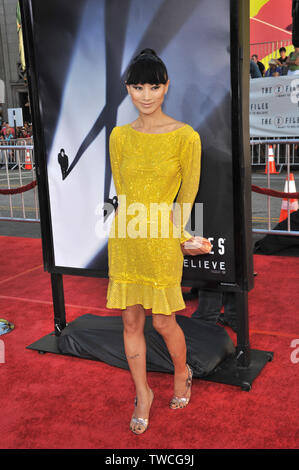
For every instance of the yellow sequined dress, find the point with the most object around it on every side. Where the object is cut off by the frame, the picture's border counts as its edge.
(145, 265)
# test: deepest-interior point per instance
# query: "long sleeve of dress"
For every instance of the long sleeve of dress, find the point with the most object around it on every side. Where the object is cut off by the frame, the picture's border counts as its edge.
(114, 152)
(190, 161)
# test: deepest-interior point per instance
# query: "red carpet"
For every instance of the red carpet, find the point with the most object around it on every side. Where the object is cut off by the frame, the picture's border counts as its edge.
(52, 402)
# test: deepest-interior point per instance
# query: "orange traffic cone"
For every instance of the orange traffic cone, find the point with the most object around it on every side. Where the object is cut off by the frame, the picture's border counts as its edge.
(271, 164)
(28, 164)
(293, 203)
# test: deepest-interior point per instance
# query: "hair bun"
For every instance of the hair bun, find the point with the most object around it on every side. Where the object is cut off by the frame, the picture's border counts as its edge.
(148, 51)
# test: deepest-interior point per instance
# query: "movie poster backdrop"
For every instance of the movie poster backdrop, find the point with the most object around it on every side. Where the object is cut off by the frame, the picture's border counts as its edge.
(81, 51)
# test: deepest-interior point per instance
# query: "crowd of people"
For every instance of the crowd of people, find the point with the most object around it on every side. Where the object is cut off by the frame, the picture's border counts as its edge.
(284, 65)
(8, 133)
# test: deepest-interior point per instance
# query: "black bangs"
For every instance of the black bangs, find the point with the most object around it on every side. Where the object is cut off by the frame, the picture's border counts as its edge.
(147, 69)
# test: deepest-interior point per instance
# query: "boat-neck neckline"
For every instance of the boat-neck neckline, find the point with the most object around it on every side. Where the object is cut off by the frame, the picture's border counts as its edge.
(157, 133)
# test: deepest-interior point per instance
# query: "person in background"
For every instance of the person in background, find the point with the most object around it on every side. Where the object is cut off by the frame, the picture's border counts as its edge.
(29, 129)
(283, 56)
(273, 67)
(210, 304)
(282, 61)
(260, 65)
(293, 62)
(3, 129)
(19, 133)
(254, 70)
(24, 133)
(8, 134)
(8, 137)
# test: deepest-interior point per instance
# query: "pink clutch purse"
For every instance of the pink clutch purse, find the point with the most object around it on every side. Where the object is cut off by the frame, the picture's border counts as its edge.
(196, 246)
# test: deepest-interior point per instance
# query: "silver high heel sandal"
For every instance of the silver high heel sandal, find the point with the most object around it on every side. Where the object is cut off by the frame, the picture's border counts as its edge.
(177, 402)
(139, 425)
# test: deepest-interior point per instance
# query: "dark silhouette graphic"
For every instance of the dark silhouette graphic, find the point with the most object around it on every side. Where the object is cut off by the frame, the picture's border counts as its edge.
(109, 206)
(63, 162)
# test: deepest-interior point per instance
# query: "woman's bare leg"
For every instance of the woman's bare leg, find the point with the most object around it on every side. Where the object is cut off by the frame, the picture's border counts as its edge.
(173, 335)
(135, 350)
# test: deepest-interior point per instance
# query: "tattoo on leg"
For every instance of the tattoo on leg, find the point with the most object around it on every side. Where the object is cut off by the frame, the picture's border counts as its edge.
(133, 357)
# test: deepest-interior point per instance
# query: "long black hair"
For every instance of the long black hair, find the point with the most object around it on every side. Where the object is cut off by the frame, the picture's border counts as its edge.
(146, 67)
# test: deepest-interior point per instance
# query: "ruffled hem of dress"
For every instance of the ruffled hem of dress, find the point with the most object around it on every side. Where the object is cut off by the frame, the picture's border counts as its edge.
(164, 300)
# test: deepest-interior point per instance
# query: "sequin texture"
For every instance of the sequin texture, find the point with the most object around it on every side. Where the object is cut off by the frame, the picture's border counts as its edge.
(146, 268)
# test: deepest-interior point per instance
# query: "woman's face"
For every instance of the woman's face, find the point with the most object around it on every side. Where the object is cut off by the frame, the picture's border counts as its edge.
(147, 98)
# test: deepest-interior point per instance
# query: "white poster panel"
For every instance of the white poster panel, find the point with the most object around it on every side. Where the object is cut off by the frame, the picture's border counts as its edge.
(15, 117)
(274, 106)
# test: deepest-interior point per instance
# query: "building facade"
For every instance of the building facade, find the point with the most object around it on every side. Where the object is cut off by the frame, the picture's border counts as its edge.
(15, 88)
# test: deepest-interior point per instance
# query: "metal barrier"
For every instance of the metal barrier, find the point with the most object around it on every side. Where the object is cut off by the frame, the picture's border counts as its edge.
(14, 151)
(17, 168)
(14, 142)
(286, 149)
(289, 144)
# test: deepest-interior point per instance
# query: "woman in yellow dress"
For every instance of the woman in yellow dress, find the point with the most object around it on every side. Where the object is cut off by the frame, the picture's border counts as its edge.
(153, 160)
